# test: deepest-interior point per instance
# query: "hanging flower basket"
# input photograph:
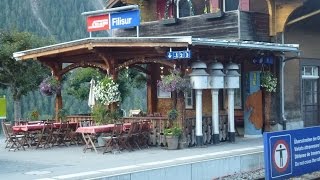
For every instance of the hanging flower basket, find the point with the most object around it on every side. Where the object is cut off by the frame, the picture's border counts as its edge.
(107, 91)
(174, 82)
(49, 86)
(268, 81)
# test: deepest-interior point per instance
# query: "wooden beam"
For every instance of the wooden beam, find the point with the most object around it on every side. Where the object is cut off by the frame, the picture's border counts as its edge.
(304, 17)
(83, 64)
(145, 61)
(141, 69)
(55, 51)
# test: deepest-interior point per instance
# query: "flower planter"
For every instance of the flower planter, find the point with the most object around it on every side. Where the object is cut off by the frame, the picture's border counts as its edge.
(172, 142)
(216, 15)
(101, 141)
(169, 21)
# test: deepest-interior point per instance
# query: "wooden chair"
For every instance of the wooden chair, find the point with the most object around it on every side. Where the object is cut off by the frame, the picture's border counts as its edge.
(86, 123)
(144, 134)
(59, 135)
(113, 141)
(130, 137)
(83, 139)
(13, 141)
(5, 132)
(45, 137)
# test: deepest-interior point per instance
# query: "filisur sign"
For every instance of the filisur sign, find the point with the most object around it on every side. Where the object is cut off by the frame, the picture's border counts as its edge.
(124, 19)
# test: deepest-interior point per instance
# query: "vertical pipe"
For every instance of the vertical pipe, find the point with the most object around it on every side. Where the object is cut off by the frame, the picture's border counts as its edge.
(215, 116)
(178, 11)
(138, 31)
(199, 136)
(231, 115)
(284, 120)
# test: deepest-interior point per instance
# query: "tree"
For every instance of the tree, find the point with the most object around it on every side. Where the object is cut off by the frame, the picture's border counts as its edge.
(79, 82)
(20, 77)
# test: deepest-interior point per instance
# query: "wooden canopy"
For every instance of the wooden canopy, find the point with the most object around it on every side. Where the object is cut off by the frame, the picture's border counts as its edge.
(114, 53)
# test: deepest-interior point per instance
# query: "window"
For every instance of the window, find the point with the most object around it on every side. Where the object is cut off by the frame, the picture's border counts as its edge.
(188, 98)
(310, 72)
(163, 94)
(230, 5)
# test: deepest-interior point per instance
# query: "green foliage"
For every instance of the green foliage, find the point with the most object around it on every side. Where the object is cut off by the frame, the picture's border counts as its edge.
(268, 81)
(100, 114)
(173, 115)
(173, 131)
(129, 79)
(20, 76)
(78, 85)
(34, 115)
(174, 82)
(62, 114)
(60, 21)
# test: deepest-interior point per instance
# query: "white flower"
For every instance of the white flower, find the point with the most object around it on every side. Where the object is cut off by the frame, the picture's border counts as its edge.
(107, 91)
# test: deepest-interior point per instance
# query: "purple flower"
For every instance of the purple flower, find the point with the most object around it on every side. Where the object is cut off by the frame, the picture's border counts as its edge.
(173, 82)
(49, 86)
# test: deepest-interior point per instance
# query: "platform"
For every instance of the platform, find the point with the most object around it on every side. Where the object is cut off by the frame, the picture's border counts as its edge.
(195, 163)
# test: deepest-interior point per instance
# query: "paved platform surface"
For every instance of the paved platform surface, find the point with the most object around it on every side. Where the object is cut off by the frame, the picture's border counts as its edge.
(72, 163)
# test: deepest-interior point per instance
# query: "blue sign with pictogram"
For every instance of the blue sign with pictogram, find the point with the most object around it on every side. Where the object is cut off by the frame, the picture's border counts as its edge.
(291, 153)
(179, 54)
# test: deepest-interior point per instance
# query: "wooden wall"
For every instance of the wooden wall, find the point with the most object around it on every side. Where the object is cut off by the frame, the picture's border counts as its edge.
(196, 26)
(254, 26)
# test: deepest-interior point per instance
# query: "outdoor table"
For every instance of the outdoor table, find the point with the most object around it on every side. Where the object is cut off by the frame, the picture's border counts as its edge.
(26, 128)
(89, 131)
(72, 125)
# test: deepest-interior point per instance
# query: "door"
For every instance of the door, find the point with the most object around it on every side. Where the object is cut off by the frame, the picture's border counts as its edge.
(310, 96)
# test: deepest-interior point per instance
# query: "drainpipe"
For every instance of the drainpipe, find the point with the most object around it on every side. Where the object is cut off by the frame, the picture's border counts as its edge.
(177, 6)
(284, 119)
(282, 65)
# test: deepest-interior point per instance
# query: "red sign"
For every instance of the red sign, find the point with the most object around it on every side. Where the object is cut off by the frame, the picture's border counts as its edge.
(98, 23)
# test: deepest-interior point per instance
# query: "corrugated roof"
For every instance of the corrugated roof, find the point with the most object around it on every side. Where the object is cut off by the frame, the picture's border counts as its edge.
(246, 44)
(159, 41)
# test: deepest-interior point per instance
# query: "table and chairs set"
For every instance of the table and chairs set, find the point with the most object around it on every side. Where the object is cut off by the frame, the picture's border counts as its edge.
(47, 133)
(40, 134)
(117, 137)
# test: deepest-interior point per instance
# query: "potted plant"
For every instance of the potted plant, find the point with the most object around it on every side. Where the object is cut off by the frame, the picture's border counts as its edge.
(34, 115)
(49, 86)
(172, 135)
(100, 114)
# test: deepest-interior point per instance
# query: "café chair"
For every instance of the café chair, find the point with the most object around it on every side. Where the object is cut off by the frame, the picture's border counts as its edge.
(13, 141)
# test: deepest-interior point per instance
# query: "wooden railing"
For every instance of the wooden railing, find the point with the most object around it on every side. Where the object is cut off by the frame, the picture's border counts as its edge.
(78, 118)
(159, 123)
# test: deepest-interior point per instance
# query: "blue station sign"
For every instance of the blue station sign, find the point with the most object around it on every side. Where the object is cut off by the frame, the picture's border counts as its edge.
(125, 19)
(291, 153)
(179, 54)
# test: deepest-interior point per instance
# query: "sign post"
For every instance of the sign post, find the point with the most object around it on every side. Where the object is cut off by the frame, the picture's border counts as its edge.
(291, 153)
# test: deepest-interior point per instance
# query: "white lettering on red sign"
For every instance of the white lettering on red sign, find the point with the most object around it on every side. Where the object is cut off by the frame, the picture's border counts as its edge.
(98, 23)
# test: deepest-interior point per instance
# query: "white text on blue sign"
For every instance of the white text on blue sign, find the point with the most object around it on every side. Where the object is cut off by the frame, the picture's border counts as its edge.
(179, 54)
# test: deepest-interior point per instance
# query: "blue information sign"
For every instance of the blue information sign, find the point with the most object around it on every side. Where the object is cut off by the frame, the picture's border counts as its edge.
(291, 153)
(179, 54)
(125, 19)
